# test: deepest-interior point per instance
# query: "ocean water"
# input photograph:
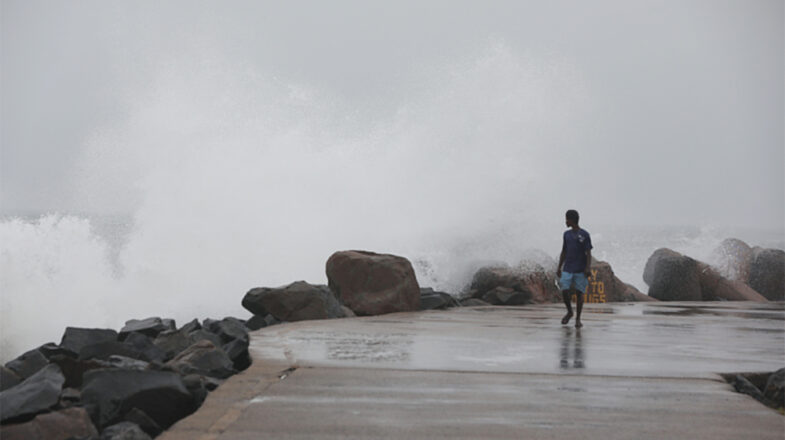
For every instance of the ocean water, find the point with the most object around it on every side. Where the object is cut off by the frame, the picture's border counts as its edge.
(63, 270)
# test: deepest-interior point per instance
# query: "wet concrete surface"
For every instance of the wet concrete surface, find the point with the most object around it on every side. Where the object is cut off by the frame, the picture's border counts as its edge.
(635, 370)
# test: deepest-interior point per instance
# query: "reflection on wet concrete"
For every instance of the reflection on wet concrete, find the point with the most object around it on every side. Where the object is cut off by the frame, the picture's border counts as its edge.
(641, 339)
(571, 349)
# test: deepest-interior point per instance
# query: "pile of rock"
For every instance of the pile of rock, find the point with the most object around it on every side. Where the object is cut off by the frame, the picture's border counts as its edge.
(131, 384)
(742, 274)
(361, 283)
(766, 388)
(536, 283)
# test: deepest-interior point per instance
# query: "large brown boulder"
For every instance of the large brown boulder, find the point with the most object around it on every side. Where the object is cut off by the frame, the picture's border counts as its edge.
(373, 284)
(605, 286)
(531, 282)
(767, 273)
(672, 276)
(716, 287)
(298, 301)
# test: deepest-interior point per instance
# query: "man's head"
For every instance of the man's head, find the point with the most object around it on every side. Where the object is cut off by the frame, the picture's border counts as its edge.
(572, 218)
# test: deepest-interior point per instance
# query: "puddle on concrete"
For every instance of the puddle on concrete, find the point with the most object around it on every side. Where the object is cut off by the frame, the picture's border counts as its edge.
(694, 311)
(370, 348)
(761, 330)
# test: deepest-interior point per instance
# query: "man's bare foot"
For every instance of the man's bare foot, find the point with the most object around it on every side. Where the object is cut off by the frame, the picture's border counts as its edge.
(566, 318)
(578, 323)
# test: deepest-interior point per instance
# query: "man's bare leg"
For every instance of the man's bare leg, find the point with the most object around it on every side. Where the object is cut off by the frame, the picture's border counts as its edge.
(579, 308)
(567, 296)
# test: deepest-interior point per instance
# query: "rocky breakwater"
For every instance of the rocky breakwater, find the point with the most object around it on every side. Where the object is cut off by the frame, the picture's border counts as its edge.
(672, 276)
(100, 383)
(534, 282)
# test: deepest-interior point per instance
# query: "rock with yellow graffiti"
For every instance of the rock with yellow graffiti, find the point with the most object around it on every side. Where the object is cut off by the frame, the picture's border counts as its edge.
(605, 286)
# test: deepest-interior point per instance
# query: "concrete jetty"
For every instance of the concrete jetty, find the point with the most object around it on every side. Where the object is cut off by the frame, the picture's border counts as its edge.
(635, 370)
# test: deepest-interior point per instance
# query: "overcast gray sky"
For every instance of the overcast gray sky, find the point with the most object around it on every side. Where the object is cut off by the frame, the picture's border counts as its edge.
(686, 96)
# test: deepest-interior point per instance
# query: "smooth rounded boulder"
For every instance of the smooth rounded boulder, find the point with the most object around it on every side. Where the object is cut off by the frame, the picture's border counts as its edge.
(298, 301)
(532, 283)
(767, 273)
(675, 277)
(672, 276)
(373, 284)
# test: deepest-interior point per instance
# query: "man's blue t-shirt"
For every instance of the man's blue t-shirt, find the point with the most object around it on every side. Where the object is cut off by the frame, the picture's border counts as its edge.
(575, 246)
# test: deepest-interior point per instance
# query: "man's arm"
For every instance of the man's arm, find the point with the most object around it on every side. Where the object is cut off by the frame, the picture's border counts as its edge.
(561, 260)
(587, 271)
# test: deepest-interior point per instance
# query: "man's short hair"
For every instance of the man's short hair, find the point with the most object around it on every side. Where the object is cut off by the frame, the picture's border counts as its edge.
(573, 215)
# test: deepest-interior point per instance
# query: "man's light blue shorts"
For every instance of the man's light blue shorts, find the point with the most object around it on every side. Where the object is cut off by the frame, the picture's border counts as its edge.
(577, 280)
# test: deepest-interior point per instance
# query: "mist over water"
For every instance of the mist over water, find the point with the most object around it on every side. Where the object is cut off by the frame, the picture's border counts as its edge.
(231, 178)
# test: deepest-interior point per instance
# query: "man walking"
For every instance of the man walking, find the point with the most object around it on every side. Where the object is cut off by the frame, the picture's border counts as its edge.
(576, 259)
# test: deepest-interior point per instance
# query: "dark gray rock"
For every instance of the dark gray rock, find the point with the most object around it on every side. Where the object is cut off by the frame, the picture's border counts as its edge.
(8, 378)
(432, 300)
(744, 386)
(149, 327)
(259, 321)
(116, 361)
(114, 392)
(28, 363)
(172, 342)
(35, 394)
(74, 369)
(124, 431)
(69, 423)
(51, 349)
(767, 273)
(228, 329)
(298, 301)
(144, 421)
(237, 350)
(474, 302)
(74, 338)
(70, 397)
(102, 350)
(148, 351)
(505, 296)
(197, 386)
(775, 388)
(191, 326)
(256, 322)
(203, 358)
(673, 277)
(204, 335)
